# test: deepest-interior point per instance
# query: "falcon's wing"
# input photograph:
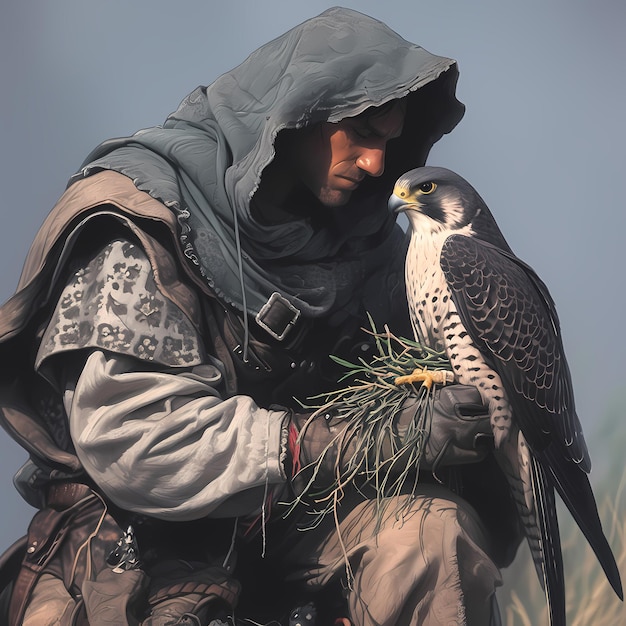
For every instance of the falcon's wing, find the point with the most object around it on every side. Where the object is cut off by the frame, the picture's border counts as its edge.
(509, 314)
(511, 317)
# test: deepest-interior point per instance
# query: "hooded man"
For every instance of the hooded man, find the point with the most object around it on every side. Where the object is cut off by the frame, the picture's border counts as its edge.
(191, 282)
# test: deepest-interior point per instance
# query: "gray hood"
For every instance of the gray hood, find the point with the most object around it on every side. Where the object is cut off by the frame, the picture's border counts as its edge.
(206, 162)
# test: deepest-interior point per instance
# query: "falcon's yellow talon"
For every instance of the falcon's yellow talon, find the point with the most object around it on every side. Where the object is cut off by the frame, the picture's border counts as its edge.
(426, 377)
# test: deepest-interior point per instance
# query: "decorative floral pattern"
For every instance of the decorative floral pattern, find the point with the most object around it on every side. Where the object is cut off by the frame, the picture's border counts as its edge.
(113, 303)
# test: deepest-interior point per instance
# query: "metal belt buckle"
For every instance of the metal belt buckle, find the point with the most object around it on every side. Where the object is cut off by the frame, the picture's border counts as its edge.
(277, 316)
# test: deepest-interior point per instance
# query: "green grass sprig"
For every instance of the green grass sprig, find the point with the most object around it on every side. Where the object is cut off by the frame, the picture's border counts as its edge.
(369, 454)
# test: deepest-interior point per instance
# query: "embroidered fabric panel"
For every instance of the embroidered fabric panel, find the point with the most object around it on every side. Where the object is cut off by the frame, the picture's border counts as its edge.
(113, 303)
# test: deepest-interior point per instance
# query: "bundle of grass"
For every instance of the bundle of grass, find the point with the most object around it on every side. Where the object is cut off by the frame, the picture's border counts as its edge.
(369, 453)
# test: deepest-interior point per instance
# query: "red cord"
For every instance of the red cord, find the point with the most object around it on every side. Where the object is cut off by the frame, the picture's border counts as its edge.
(293, 446)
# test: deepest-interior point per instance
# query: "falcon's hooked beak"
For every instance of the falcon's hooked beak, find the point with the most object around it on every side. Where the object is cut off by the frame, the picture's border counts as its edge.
(398, 200)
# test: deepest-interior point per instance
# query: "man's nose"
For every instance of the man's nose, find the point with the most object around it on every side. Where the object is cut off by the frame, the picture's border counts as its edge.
(372, 161)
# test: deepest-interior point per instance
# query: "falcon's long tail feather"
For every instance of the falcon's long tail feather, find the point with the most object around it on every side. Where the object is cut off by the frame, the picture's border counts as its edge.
(535, 502)
(574, 488)
(551, 556)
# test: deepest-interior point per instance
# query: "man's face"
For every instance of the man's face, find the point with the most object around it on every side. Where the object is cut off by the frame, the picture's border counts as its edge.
(331, 159)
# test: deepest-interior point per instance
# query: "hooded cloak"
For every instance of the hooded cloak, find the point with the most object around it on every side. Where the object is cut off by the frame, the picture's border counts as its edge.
(206, 162)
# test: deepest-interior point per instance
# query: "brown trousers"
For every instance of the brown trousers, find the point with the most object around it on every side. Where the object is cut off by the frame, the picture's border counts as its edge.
(429, 567)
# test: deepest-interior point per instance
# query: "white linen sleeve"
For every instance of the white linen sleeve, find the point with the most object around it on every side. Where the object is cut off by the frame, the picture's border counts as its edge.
(167, 445)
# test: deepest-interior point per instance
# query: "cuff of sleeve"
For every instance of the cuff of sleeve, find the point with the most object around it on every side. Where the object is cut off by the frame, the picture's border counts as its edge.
(286, 446)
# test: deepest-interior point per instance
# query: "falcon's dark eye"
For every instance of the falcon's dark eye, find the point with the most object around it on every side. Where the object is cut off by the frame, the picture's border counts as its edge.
(428, 187)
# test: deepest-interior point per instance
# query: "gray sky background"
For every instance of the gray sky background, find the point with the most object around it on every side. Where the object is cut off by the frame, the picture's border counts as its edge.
(542, 140)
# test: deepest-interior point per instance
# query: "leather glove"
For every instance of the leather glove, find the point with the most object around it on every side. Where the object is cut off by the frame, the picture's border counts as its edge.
(458, 432)
(318, 437)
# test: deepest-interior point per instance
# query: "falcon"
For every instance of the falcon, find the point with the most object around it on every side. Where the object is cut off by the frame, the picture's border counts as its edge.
(471, 297)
